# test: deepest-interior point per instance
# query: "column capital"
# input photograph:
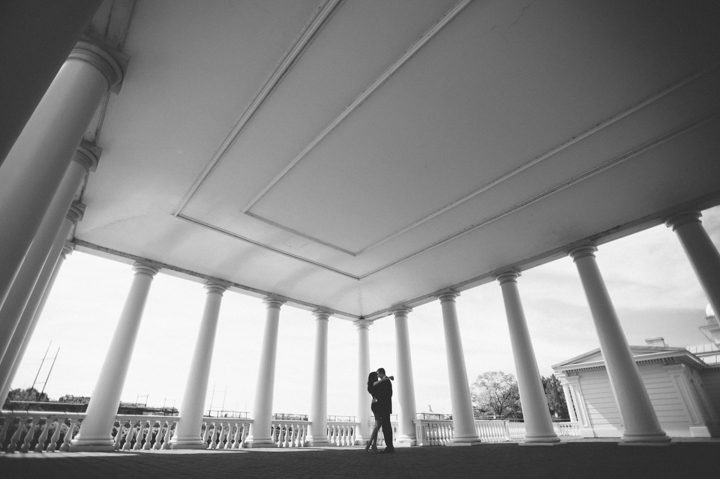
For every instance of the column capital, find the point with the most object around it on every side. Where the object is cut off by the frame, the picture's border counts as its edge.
(274, 301)
(216, 286)
(682, 218)
(68, 248)
(401, 310)
(583, 251)
(145, 267)
(110, 63)
(88, 155)
(509, 276)
(448, 296)
(363, 323)
(322, 314)
(76, 211)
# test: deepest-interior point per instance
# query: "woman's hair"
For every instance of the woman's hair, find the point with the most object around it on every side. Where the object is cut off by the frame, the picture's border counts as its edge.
(372, 377)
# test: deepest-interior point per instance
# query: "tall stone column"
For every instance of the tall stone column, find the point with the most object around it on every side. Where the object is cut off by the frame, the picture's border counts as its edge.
(42, 34)
(318, 406)
(37, 162)
(262, 415)
(701, 252)
(404, 380)
(363, 397)
(94, 432)
(86, 158)
(29, 319)
(636, 410)
(463, 419)
(188, 433)
(538, 424)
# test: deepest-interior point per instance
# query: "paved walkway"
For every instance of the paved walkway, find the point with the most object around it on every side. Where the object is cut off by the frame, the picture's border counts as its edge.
(585, 460)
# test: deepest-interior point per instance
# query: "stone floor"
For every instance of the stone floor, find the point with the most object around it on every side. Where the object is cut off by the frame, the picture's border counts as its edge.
(577, 459)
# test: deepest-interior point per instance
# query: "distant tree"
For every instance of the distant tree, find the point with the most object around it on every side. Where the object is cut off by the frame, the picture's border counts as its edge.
(496, 393)
(29, 394)
(555, 397)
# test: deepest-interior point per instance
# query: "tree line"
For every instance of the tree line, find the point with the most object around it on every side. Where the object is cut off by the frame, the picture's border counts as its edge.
(495, 394)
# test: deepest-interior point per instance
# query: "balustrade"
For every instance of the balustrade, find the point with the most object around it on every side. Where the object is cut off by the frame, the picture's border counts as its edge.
(439, 432)
(38, 431)
(342, 433)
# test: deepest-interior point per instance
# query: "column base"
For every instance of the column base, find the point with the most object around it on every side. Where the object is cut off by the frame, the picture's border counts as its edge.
(186, 443)
(254, 443)
(550, 440)
(319, 442)
(658, 439)
(406, 441)
(466, 441)
(92, 444)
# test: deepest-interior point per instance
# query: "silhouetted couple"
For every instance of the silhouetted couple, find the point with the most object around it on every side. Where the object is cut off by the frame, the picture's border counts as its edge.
(380, 388)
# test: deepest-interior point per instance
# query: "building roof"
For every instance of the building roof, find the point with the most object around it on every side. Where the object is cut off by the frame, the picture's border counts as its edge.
(641, 354)
(361, 155)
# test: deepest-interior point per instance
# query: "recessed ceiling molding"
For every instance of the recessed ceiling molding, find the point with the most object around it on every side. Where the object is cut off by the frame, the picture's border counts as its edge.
(275, 78)
(549, 154)
(424, 39)
(488, 221)
(558, 188)
(265, 246)
(576, 139)
(301, 234)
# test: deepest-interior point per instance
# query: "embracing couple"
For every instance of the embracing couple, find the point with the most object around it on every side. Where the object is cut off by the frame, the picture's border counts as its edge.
(380, 388)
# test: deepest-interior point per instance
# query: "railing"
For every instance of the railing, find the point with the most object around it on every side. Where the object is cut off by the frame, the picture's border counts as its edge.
(440, 432)
(434, 432)
(37, 431)
(342, 433)
(27, 431)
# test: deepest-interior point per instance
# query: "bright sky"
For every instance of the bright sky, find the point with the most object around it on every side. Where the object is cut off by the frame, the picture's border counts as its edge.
(650, 280)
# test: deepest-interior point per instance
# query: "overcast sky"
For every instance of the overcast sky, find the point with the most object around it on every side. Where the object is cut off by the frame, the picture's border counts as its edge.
(653, 287)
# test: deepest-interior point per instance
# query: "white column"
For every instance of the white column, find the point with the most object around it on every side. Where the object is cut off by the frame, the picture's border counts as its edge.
(463, 420)
(318, 406)
(363, 397)
(638, 416)
(86, 158)
(30, 316)
(35, 166)
(41, 260)
(262, 414)
(404, 380)
(701, 252)
(189, 428)
(572, 412)
(94, 432)
(45, 33)
(536, 415)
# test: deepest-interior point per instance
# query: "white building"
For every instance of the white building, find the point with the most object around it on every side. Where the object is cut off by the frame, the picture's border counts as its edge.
(684, 388)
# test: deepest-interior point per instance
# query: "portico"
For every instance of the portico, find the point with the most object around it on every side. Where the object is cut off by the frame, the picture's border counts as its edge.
(358, 160)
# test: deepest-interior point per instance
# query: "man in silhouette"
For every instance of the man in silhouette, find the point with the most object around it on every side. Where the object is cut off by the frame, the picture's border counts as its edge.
(383, 392)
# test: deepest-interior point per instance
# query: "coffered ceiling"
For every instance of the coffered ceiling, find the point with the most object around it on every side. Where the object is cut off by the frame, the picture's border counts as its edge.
(362, 154)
